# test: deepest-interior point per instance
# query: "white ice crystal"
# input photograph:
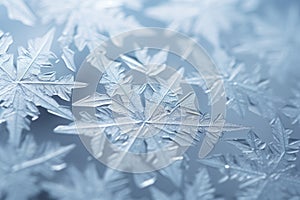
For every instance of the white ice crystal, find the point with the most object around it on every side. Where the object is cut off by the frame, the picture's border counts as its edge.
(25, 86)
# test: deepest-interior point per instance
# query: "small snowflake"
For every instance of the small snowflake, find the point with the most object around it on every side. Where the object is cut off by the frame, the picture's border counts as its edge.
(262, 167)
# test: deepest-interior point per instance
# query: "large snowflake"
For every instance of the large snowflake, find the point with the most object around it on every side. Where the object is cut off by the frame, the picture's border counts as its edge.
(25, 86)
(142, 107)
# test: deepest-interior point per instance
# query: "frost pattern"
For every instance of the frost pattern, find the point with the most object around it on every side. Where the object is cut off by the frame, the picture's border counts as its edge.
(144, 116)
(25, 86)
(262, 167)
(21, 167)
(257, 32)
(245, 91)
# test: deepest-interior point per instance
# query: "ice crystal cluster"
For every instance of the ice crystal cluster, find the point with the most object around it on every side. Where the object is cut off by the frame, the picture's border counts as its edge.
(142, 105)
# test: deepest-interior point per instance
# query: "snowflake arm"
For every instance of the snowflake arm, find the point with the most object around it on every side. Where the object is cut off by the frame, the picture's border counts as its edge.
(292, 109)
(5, 42)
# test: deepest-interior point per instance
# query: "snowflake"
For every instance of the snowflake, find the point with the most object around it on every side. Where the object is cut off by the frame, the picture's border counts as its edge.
(262, 168)
(87, 22)
(244, 90)
(24, 86)
(292, 109)
(200, 17)
(275, 41)
(88, 185)
(18, 10)
(200, 188)
(21, 167)
(143, 110)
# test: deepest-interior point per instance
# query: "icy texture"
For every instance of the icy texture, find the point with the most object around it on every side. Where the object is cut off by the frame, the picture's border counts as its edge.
(262, 167)
(143, 116)
(24, 86)
(245, 91)
(255, 45)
